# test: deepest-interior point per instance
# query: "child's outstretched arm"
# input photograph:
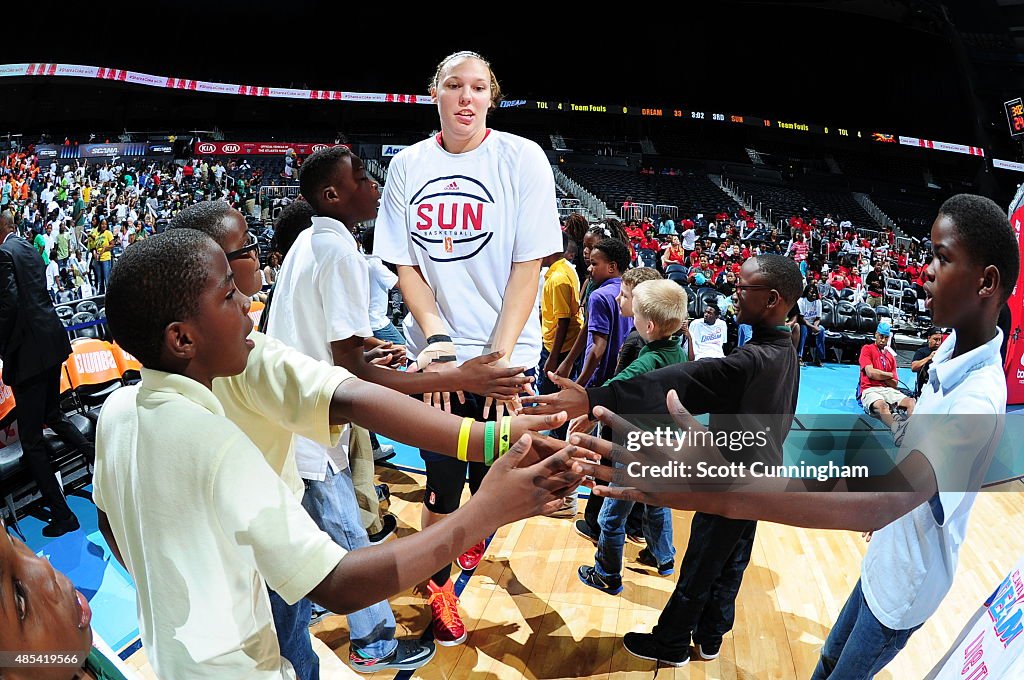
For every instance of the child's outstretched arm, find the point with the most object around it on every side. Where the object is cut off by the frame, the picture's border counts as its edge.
(412, 422)
(508, 493)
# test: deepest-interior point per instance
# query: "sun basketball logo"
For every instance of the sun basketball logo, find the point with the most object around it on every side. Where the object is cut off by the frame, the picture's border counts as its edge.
(450, 218)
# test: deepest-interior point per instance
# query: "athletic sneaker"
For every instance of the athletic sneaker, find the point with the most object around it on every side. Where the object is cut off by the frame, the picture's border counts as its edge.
(317, 613)
(383, 492)
(444, 606)
(636, 539)
(408, 655)
(383, 453)
(584, 530)
(900, 420)
(390, 523)
(646, 558)
(469, 560)
(568, 509)
(709, 651)
(644, 646)
(609, 584)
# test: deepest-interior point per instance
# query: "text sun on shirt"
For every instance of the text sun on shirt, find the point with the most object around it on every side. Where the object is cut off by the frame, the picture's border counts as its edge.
(451, 220)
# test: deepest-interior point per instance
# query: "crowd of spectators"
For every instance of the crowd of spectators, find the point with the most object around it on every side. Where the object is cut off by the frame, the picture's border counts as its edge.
(81, 214)
(832, 254)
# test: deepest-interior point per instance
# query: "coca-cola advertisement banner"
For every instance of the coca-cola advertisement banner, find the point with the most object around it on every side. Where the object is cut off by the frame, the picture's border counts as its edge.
(259, 148)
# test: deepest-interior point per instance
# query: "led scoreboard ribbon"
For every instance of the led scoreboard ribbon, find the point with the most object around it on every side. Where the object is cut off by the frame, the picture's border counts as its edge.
(1014, 108)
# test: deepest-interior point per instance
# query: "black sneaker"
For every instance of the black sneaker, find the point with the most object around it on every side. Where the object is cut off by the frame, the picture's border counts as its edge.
(636, 539)
(644, 646)
(646, 558)
(383, 492)
(61, 527)
(609, 584)
(709, 651)
(408, 655)
(390, 523)
(584, 530)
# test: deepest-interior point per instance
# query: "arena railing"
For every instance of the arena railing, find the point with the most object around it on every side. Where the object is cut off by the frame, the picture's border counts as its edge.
(636, 211)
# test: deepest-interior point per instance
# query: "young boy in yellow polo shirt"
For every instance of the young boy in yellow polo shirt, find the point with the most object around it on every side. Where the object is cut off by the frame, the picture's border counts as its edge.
(199, 519)
(560, 313)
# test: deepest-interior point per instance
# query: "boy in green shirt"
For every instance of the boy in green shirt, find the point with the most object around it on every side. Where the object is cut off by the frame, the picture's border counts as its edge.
(658, 309)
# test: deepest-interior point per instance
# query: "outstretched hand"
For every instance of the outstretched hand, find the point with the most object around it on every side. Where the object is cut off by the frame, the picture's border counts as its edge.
(657, 454)
(571, 398)
(514, 490)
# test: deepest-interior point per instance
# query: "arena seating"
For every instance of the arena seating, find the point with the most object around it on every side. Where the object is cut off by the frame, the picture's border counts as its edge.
(914, 216)
(785, 201)
(691, 193)
(94, 371)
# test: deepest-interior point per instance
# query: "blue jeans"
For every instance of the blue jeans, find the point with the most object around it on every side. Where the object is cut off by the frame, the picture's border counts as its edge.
(332, 505)
(612, 520)
(858, 646)
(292, 624)
(545, 386)
(105, 266)
(745, 332)
(390, 334)
(819, 341)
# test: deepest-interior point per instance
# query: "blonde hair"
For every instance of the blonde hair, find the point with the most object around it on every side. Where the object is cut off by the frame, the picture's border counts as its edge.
(465, 54)
(637, 275)
(663, 302)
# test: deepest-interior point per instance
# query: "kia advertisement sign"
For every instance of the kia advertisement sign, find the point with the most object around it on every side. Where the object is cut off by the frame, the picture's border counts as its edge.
(258, 148)
(1014, 366)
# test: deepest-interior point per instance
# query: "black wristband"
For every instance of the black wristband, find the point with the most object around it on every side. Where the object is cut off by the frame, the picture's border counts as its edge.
(438, 338)
(443, 360)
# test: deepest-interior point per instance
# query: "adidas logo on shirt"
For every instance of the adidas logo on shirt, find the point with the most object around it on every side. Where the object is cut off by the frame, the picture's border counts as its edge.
(454, 186)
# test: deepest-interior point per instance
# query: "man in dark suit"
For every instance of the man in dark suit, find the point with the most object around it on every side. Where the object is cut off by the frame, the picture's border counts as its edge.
(33, 345)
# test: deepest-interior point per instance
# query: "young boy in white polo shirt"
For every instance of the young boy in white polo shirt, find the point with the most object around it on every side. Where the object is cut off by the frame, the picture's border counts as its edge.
(199, 519)
(920, 518)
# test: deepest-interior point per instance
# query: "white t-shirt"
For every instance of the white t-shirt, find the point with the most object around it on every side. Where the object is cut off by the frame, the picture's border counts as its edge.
(707, 340)
(810, 309)
(464, 219)
(204, 525)
(910, 564)
(52, 273)
(321, 295)
(382, 280)
(689, 239)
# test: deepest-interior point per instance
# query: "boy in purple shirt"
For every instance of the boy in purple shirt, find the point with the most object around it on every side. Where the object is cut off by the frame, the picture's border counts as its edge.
(606, 327)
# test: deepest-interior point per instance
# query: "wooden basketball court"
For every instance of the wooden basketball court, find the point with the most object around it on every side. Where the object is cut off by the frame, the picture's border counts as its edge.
(529, 616)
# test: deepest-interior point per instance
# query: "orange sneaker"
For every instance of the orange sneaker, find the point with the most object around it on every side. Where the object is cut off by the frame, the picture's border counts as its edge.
(469, 560)
(444, 606)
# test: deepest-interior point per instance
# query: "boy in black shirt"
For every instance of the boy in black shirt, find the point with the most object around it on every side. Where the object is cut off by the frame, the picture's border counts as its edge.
(762, 377)
(923, 358)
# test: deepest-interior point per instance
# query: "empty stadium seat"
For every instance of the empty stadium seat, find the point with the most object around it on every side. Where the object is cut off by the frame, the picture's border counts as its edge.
(868, 320)
(93, 370)
(86, 306)
(89, 331)
(64, 313)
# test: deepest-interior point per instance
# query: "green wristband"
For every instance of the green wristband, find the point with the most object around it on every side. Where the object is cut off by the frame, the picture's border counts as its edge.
(489, 443)
(504, 439)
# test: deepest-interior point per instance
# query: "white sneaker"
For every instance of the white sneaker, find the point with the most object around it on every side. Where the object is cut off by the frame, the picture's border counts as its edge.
(568, 509)
(385, 452)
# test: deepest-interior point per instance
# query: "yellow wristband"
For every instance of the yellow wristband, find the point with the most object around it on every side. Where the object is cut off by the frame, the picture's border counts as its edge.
(463, 451)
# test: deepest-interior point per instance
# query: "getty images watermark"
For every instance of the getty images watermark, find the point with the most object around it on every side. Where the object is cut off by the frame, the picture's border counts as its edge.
(668, 439)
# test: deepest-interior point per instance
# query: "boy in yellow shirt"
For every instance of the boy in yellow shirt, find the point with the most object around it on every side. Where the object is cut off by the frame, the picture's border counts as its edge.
(195, 514)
